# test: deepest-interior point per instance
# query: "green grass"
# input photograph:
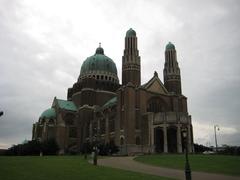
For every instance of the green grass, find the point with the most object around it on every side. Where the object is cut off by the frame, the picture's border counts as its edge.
(229, 165)
(62, 168)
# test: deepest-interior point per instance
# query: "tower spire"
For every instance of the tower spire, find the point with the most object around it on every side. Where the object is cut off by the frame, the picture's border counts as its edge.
(172, 76)
(131, 64)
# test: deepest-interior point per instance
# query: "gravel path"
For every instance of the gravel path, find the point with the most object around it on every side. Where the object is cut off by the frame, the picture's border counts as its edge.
(128, 163)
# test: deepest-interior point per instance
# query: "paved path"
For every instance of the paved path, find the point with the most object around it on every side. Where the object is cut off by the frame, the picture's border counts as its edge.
(128, 163)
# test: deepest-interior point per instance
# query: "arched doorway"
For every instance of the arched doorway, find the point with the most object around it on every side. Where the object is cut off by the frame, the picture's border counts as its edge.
(172, 139)
(158, 139)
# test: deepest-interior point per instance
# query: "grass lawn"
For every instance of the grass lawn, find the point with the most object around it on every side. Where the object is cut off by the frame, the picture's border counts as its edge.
(62, 168)
(229, 165)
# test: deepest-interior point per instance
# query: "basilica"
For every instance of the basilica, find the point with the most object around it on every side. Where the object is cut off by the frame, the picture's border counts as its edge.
(138, 118)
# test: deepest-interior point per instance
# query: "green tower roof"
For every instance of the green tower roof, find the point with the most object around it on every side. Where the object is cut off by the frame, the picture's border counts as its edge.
(110, 103)
(49, 113)
(170, 46)
(68, 105)
(131, 33)
(98, 62)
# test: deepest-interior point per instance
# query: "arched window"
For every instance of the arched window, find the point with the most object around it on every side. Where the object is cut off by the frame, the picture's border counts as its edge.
(156, 104)
(138, 140)
(51, 121)
(72, 132)
(69, 122)
(93, 65)
(69, 119)
(43, 120)
(121, 141)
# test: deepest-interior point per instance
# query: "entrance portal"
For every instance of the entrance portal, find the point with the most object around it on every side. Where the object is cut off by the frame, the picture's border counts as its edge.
(158, 140)
(172, 139)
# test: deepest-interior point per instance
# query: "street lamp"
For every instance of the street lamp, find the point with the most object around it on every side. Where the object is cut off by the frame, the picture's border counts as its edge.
(187, 166)
(216, 127)
(85, 150)
(95, 151)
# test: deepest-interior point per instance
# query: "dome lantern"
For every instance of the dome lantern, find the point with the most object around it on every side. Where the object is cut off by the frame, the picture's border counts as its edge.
(99, 50)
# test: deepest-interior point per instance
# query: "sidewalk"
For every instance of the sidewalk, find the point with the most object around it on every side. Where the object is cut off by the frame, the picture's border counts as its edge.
(128, 163)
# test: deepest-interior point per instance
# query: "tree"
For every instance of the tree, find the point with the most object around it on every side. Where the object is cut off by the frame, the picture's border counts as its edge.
(49, 147)
(34, 147)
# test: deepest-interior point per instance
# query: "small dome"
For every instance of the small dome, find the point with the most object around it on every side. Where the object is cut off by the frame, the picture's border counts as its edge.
(49, 113)
(98, 63)
(170, 46)
(131, 33)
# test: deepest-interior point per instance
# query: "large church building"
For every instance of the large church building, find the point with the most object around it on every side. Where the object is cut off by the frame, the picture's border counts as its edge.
(138, 118)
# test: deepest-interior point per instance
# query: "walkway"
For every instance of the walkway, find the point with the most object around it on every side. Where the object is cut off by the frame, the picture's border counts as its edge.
(128, 163)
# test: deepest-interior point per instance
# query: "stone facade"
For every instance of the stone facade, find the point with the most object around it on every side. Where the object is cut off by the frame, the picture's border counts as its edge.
(139, 118)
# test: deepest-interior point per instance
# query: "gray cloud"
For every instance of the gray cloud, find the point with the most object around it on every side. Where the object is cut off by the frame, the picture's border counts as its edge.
(41, 51)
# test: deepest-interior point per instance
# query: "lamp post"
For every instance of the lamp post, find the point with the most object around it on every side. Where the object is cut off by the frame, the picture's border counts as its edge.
(216, 127)
(95, 151)
(85, 150)
(187, 166)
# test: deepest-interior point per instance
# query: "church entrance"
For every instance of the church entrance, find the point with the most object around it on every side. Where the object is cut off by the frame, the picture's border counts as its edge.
(172, 139)
(158, 139)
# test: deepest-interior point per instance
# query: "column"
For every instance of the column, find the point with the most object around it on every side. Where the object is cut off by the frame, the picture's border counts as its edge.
(165, 138)
(90, 132)
(98, 135)
(151, 132)
(107, 129)
(179, 139)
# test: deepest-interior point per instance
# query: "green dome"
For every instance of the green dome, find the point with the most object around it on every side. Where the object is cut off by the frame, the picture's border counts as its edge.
(170, 46)
(98, 63)
(131, 33)
(49, 113)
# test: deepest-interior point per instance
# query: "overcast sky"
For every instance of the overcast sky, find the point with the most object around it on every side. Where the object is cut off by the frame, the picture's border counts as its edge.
(43, 44)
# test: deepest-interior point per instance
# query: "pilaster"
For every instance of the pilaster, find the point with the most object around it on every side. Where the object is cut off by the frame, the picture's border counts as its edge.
(165, 138)
(179, 139)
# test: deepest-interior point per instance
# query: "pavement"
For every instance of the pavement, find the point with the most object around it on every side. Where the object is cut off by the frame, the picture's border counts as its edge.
(127, 163)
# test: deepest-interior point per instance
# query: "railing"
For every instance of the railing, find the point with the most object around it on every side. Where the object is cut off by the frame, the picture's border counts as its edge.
(171, 117)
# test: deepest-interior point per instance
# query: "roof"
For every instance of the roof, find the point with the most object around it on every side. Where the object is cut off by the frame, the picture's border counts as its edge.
(155, 85)
(98, 62)
(131, 33)
(68, 105)
(110, 103)
(49, 113)
(170, 46)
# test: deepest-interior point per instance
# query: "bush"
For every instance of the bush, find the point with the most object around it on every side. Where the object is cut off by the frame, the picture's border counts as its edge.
(103, 149)
(49, 147)
(230, 150)
(34, 147)
(199, 148)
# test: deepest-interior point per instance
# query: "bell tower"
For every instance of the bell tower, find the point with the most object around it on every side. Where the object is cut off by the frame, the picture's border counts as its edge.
(131, 66)
(172, 76)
